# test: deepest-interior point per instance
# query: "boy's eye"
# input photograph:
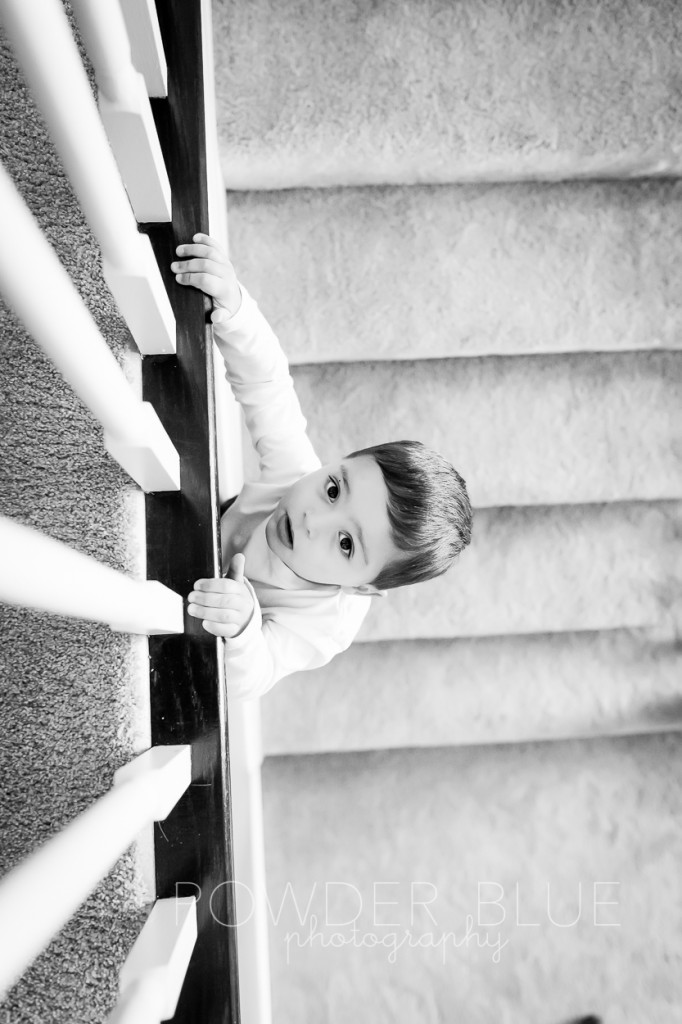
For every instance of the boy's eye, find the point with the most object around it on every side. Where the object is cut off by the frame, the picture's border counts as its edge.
(332, 488)
(346, 544)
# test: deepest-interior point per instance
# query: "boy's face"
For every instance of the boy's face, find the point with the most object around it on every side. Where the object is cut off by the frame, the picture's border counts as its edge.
(332, 525)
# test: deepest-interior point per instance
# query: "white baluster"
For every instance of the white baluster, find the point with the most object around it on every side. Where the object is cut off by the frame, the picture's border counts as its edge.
(40, 895)
(125, 110)
(37, 571)
(63, 327)
(145, 42)
(152, 976)
(53, 68)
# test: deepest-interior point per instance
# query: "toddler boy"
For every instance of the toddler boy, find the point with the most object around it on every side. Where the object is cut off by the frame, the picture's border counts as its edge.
(316, 542)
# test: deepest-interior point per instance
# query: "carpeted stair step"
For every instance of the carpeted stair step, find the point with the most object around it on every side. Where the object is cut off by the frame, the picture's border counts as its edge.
(391, 273)
(546, 570)
(432, 693)
(545, 829)
(522, 430)
(328, 92)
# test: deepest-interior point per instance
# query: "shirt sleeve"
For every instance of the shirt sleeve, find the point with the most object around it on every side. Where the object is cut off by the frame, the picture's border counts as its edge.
(258, 373)
(270, 653)
(274, 646)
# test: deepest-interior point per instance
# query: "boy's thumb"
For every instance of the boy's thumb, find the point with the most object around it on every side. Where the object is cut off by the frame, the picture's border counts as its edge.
(236, 568)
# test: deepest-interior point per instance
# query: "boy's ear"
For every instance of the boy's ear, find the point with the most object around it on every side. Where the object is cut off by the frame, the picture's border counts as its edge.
(366, 589)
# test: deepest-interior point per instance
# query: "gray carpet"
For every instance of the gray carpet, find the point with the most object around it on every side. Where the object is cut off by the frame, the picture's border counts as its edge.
(333, 92)
(379, 285)
(70, 712)
(463, 270)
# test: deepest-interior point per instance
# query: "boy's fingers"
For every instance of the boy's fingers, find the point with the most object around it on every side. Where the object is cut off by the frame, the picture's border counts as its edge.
(206, 240)
(220, 616)
(195, 249)
(220, 629)
(236, 569)
(197, 265)
(208, 283)
(218, 586)
(212, 600)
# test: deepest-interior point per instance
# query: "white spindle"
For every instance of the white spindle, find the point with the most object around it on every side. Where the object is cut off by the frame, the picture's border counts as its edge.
(151, 978)
(41, 35)
(125, 110)
(40, 895)
(145, 42)
(39, 572)
(52, 310)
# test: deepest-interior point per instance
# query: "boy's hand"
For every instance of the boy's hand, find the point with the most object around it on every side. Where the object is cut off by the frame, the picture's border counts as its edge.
(205, 266)
(225, 605)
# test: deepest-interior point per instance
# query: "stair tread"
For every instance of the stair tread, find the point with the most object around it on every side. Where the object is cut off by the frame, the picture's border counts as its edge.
(327, 93)
(416, 693)
(522, 430)
(449, 271)
(551, 569)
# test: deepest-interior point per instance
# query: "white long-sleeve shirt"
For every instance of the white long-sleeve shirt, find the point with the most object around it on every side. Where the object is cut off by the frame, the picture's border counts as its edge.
(296, 625)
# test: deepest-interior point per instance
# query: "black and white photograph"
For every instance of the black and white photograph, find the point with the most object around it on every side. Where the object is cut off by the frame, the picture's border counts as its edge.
(341, 511)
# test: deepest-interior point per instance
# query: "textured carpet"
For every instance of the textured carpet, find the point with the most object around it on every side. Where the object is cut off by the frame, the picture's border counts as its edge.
(341, 92)
(570, 450)
(463, 270)
(73, 705)
(377, 836)
(522, 430)
(547, 569)
(433, 693)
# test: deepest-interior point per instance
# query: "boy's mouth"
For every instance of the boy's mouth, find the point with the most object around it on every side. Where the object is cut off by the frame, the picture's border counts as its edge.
(285, 532)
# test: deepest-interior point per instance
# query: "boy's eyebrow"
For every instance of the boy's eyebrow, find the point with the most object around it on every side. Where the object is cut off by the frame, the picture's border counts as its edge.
(358, 528)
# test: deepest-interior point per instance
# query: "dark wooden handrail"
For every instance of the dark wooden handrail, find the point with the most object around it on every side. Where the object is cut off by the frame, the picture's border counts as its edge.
(193, 847)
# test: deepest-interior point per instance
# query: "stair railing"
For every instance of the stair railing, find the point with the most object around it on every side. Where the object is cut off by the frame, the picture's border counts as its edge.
(184, 963)
(54, 71)
(66, 332)
(40, 895)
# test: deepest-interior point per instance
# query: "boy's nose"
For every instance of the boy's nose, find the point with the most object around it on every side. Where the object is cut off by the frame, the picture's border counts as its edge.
(312, 521)
(309, 525)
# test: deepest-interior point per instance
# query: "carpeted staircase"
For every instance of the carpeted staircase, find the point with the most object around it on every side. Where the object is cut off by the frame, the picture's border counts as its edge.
(463, 222)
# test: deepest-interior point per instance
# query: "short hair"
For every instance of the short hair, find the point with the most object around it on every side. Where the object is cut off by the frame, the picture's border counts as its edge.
(428, 509)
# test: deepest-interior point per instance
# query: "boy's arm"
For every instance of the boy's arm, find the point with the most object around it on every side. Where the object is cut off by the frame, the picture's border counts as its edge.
(261, 649)
(257, 652)
(279, 644)
(260, 657)
(256, 367)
